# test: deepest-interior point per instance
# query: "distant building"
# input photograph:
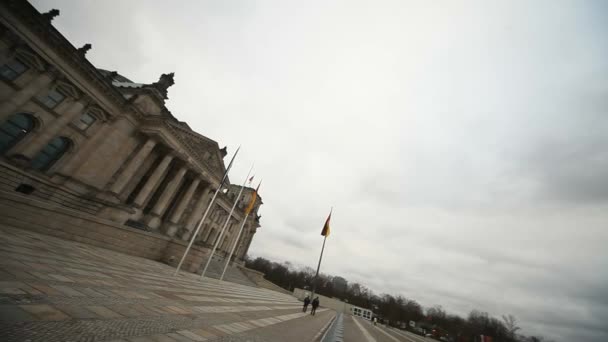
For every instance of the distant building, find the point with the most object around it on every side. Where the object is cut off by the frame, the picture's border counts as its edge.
(89, 155)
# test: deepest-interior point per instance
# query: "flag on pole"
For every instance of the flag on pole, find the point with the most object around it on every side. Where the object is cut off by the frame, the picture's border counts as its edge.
(325, 231)
(225, 177)
(254, 197)
(200, 223)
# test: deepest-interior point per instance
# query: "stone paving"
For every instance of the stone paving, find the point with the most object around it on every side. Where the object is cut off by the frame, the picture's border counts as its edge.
(361, 330)
(57, 290)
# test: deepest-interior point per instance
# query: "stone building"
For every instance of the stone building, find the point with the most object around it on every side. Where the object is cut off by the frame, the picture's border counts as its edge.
(89, 155)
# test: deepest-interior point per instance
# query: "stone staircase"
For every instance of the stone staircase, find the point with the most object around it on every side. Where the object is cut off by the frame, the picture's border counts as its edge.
(233, 274)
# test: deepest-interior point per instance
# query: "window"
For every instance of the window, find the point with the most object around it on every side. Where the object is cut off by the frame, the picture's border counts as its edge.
(51, 153)
(12, 69)
(85, 121)
(14, 129)
(51, 99)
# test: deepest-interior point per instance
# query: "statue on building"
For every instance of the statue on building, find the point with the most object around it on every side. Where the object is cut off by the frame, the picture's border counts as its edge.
(164, 82)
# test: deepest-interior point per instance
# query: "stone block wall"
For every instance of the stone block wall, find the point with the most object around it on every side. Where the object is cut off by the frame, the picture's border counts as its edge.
(11, 177)
(196, 256)
(50, 218)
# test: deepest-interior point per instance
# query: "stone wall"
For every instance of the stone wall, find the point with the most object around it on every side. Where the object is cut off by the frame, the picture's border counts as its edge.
(12, 177)
(22, 211)
(196, 256)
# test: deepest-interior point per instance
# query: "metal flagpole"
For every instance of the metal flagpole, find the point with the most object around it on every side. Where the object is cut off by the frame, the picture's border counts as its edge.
(219, 238)
(314, 282)
(236, 241)
(200, 223)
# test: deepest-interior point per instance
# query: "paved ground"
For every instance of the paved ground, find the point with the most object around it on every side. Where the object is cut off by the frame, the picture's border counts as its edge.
(56, 290)
(360, 330)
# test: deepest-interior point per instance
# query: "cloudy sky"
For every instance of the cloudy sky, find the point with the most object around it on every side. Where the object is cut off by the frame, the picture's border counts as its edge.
(462, 144)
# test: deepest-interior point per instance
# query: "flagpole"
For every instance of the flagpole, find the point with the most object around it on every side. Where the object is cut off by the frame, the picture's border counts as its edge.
(219, 238)
(314, 282)
(236, 241)
(200, 223)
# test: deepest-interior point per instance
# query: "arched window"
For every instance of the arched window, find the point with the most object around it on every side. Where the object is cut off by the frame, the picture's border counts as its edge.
(14, 129)
(51, 153)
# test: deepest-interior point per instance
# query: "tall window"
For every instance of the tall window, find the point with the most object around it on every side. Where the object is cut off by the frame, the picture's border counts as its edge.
(85, 121)
(51, 99)
(12, 69)
(14, 129)
(51, 153)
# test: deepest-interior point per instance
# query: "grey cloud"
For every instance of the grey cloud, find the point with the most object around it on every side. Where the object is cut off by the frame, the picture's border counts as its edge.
(462, 145)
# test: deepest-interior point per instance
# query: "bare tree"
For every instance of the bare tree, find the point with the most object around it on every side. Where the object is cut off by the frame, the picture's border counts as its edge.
(511, 325)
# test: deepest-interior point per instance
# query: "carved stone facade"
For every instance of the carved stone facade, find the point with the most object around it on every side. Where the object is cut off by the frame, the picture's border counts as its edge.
(92, 141)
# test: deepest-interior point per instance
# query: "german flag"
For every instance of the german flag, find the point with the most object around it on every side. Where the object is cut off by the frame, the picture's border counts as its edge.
(325, 231)
(254, 197)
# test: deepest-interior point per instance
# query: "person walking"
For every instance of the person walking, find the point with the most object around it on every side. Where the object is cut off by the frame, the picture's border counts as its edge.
(306, 302)
(315, 304)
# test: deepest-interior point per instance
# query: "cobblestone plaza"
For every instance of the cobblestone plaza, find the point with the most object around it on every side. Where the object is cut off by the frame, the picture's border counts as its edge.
(57, 290)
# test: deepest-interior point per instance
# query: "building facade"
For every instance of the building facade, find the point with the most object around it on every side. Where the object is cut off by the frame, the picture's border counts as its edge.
(90, 155)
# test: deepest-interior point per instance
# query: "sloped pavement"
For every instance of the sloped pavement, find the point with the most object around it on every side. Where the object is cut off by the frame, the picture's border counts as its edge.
(57, 290)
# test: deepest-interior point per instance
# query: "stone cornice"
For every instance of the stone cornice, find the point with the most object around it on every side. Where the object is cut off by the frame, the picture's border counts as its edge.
(42, 29)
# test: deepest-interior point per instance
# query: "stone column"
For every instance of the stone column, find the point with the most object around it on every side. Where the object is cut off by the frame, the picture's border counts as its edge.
(246, 245)
(165, 198)
(51, 130)
(239, 248)
(205, 235)
(132, 166)
(19, 98)
(205, 230)
(197, 212)
(181, 207)
(153, 181)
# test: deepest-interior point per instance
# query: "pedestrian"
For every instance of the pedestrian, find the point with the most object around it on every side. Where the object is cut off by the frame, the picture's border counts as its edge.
(315, 303)
(375, 320)
(306, 302)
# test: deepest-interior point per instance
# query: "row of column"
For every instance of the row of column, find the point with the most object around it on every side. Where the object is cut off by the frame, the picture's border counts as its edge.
(212, 227)
(166, 198)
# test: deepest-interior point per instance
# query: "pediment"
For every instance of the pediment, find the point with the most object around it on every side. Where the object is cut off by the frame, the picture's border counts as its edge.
(204, 150)
(97, 112)
(67, 89)
(200, 150)
(30, 58)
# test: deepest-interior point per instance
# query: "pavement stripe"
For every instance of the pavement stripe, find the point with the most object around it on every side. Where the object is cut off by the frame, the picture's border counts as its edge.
(366, 333)
(387, 334)
(406, 334)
